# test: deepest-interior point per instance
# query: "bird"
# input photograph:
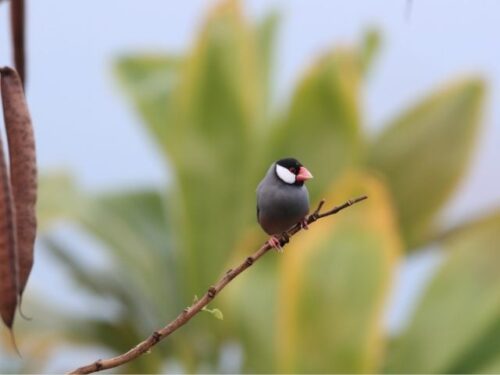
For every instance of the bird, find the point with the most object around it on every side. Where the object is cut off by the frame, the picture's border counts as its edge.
(283, 199)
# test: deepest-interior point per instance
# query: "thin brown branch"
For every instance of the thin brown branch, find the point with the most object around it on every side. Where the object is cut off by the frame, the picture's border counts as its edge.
(17, 19)
(198, 305)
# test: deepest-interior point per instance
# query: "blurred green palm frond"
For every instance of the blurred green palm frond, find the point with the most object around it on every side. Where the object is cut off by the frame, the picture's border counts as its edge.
(319, 307)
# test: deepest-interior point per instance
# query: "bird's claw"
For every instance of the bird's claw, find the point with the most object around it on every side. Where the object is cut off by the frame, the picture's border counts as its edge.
(275, 243)
(303, 224)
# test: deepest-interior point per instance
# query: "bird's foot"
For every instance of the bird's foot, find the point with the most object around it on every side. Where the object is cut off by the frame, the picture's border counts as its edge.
(275, 243)
(303, 224)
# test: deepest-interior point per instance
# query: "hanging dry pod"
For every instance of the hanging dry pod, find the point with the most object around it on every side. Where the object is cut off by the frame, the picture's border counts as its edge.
(23, 173)
(8, 251)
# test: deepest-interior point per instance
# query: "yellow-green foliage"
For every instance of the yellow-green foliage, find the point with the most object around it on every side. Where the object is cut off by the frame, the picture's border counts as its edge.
(318, 307)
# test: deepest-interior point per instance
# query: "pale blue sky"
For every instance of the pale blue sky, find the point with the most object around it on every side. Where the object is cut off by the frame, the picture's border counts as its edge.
(83, 123)
(78, 107)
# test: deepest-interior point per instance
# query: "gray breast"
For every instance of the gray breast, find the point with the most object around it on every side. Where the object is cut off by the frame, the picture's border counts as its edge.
(280, 205)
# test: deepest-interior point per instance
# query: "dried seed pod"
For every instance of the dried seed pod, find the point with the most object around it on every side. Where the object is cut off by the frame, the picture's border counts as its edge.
(8, 253)
(23, 175)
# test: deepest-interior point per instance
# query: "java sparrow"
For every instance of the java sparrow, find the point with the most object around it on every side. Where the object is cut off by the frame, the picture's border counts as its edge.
(282, 198)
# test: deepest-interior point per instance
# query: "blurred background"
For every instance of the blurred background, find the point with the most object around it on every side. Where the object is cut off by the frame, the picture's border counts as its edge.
(156, 120)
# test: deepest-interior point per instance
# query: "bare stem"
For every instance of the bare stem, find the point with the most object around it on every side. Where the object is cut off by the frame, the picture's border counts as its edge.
(198, 305)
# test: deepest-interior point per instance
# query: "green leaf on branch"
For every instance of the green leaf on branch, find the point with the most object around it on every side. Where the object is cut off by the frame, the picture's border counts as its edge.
(215, 312)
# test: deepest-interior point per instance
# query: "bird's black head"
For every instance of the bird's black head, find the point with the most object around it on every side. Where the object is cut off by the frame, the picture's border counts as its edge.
(292, 172)
(292, 164)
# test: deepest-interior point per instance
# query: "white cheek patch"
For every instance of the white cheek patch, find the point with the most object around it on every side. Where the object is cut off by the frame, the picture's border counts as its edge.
(285, 175)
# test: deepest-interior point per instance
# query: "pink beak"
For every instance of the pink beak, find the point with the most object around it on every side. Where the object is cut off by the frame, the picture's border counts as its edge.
(304, 174)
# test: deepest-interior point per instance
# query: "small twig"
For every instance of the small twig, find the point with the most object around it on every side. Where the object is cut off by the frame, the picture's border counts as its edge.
(199, 304)
(18, 28)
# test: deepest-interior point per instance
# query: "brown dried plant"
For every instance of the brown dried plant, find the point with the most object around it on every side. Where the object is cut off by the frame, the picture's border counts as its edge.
(18, 191)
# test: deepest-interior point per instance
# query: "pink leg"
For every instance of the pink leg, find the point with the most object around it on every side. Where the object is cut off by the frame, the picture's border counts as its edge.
(274, 242)
(303, 224)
